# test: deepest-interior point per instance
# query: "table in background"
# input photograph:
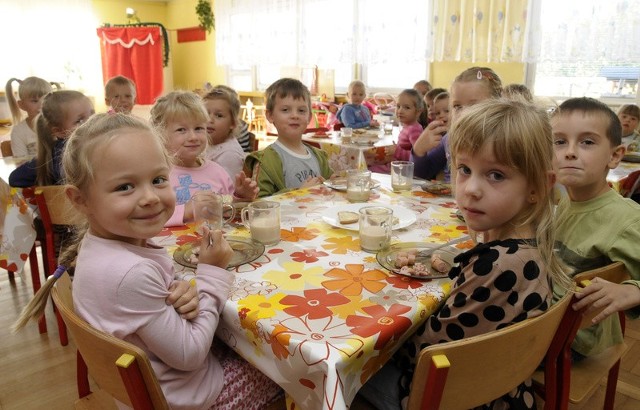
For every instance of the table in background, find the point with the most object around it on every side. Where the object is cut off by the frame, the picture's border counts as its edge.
(617, 176)
(355, 156)
(314, 312)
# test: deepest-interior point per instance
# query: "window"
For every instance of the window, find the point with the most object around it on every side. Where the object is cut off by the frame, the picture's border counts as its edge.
(588, 48)
(386, 45)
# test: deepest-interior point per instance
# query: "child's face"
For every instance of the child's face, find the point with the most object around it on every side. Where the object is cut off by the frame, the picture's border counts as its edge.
(130, 198)
(121, 98)
(186, 140)
(76, 113)
(421, 88)
(490, 195)
(31, 106)
(406, 110)
(221, 123)
(629, 123)
(441, 110)
(357, 95)
(465, 94)
(290, 117)
(428, 102)
(583, 153)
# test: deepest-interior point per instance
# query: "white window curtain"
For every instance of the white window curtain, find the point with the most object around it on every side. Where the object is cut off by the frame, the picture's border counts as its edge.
(321, 32)
(52, 39)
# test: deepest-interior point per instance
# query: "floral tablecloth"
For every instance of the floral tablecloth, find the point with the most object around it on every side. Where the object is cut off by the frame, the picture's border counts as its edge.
(617, 176)
(314, 312)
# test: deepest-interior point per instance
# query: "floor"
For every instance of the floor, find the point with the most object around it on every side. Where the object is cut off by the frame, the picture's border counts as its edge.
(36, 372)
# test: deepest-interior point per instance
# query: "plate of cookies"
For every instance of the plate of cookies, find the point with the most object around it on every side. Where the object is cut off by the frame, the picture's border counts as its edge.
(416, 260)
(347, 216)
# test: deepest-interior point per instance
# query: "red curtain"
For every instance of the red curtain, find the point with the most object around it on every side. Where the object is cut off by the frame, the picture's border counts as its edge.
(136, 53)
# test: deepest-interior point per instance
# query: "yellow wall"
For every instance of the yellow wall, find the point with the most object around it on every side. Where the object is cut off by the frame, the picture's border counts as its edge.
(194, 63)
(442, 74)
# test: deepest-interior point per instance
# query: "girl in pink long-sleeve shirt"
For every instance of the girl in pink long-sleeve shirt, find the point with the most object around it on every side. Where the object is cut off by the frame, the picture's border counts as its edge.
(127, 200)
(409, 106)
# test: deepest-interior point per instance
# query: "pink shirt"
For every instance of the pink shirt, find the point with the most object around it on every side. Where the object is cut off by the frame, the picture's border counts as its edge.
(407, 137)
(121, 289)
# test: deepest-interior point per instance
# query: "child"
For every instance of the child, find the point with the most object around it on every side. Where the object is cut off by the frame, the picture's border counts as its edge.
(422, 87)
(182, 119)
(408, 110)
(30, 93)
(355, 114)
(288, 163)
(62, 112)
(441, 109)
(428, 102)
(502, 156)
(224, 149)
(242, 130)
(120, 94)
(595, 225)
(430, 151)
(103, 165)
(629, 114)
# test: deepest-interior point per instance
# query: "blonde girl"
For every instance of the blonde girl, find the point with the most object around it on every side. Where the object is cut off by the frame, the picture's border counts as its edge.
(502, 155)
(62, 112)
(429, 153)
(181, 119)
(126, 198)
(31, 91)
(223, 107)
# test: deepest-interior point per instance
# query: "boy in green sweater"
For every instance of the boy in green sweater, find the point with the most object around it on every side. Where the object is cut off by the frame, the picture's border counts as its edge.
(288, 163)
(596, 226)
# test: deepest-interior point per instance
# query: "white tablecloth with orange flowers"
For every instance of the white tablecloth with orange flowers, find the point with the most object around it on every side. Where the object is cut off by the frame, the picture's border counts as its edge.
(618, 175)
(314, 312)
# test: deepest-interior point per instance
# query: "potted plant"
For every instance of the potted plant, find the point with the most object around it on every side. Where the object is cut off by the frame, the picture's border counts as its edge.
(205, 15)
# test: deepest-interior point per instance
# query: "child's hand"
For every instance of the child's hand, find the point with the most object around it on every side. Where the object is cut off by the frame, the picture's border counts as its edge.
(246, 188)
(214, 249)
(612, 297)
(312, 181)
(184, 298)
(374, 123)
(430, 137)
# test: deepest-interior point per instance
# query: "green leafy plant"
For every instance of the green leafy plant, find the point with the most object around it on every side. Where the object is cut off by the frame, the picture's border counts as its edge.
(205, 15)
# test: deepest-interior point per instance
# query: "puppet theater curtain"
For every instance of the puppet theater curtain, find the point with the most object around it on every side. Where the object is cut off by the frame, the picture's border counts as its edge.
(136, 53)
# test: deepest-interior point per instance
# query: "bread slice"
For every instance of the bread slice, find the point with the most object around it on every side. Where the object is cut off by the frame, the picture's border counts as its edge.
(348, 217)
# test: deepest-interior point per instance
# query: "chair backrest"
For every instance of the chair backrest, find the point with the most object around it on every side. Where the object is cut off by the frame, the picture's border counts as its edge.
(55, 208)
(119, 368)
(492, 364)
(5, 148)
(253, 142)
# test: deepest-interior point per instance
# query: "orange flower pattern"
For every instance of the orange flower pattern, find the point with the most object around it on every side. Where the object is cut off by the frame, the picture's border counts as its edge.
(353, 279)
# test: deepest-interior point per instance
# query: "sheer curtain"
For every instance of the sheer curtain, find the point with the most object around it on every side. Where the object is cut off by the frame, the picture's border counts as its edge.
(321, 32)
(484, 30)
(51, 39)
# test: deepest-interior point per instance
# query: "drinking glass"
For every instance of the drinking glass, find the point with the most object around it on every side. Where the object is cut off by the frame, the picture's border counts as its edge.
(375, 228)
(208, 210)
(401, 175)
(358, 185)
(263, 221)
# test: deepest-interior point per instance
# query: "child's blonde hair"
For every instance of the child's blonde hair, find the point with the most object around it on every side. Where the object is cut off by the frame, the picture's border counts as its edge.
(52, 115)
(30, 87)
(517, 91)
(119, 80)
(520, 137)
(485, 76)
(178, 106)
(356, 83)
(230, 96)
(418, 102)
(284, 88)
(78, 165)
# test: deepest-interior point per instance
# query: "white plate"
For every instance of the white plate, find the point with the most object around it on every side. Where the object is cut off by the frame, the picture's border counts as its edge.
(340, 184)
(330, 215)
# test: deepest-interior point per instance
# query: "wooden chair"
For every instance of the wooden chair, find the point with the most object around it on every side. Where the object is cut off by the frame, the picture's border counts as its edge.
(55, 209)
(579, 380)
(491, 364)
(254, 143)
(121, 369)
(5, 148)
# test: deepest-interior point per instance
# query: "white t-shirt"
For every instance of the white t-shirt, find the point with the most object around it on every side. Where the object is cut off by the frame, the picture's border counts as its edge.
(297, 168)
(23, 140)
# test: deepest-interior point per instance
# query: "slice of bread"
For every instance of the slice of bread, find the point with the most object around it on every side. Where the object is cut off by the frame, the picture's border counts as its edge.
(347, 217)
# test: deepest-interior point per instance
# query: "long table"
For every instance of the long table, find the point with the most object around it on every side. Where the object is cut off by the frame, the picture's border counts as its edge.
(317, 314)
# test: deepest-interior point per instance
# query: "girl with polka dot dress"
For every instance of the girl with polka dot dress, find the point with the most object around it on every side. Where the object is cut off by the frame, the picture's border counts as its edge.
(501, 171)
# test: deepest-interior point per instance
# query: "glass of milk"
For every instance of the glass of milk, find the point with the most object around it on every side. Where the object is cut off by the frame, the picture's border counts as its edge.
(401, 175)
(262, 218)
(375, 228)
(358, 185)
